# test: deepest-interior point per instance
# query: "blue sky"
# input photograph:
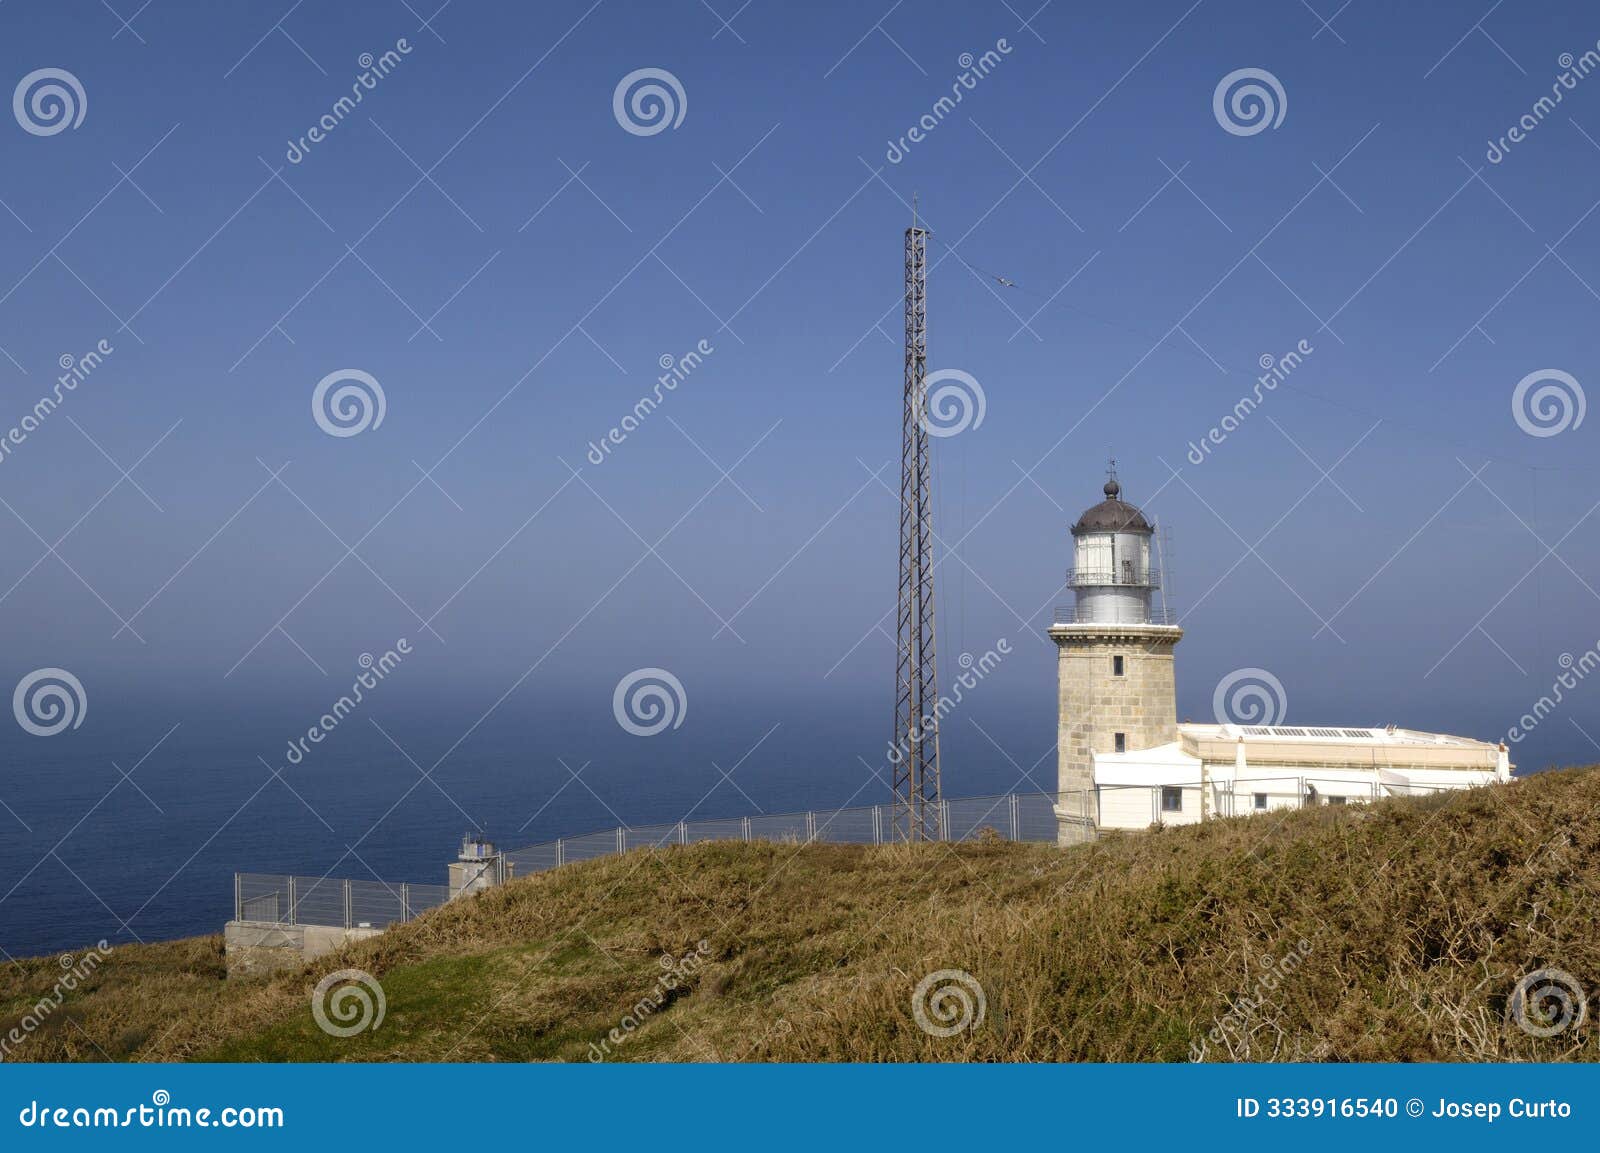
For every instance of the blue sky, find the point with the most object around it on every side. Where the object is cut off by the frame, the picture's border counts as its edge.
(483, 237)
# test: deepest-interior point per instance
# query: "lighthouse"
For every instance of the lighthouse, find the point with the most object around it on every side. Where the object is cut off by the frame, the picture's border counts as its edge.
(1115, 656)
(1124, 761)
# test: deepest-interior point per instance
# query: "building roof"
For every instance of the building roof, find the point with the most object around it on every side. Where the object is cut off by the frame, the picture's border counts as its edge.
(1326, 734)
(1177, 764)
(1338, 745)
(1112, 514)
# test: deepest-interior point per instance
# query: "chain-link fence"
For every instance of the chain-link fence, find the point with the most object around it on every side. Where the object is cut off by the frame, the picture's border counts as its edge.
(1041, 817)
(288, 900)
(1012, 817)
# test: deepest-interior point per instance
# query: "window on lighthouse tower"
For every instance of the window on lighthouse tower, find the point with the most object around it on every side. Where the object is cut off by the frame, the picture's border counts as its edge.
(1116, 666)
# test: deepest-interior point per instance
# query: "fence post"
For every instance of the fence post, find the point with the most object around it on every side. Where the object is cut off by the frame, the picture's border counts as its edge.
(683, 833)
(877, 824)
(622, 844)
(291, 899)
(238, 898)
(349, 922)
(1014, 832)
(944, 820)
(405, 900)
(811, 826)
(746, 829)
(560, 856)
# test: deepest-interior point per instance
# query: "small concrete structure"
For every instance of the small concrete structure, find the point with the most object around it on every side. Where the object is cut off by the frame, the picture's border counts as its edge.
(269, 931)
(479, 866)
(256, 948)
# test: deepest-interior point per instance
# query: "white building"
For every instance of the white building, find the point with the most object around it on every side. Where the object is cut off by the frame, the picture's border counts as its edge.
(1124, 761)
(1232, 770)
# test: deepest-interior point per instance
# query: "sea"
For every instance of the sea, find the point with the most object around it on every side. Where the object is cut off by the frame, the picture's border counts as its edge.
(131, 827)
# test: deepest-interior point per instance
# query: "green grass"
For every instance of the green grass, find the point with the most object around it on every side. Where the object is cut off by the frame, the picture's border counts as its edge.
(1419, 917)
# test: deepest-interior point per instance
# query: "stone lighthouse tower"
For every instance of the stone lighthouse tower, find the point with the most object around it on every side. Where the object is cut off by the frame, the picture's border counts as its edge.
(1117, 690)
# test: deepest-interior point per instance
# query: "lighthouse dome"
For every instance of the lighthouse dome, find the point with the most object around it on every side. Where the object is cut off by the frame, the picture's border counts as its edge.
(1112, 515)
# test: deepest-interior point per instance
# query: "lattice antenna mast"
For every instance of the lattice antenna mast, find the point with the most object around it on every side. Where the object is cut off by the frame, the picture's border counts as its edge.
(918, 813)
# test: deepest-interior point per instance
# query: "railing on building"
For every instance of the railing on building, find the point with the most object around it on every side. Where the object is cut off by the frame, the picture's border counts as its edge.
(1104, 577)
(1069, 614)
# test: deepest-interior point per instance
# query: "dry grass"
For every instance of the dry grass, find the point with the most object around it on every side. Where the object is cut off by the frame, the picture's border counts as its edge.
(1418, 918)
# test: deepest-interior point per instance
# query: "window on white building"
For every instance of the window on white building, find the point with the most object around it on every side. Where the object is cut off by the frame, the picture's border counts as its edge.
(1171, 799)
(1120, 742)
(1261, 800)
(1116, 666)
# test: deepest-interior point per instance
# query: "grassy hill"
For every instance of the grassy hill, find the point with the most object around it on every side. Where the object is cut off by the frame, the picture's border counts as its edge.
(1391, 932)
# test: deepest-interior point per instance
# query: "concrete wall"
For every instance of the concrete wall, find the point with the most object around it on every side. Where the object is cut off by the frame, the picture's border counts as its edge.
(1137, 808)
(256, 948)
(1095, 704)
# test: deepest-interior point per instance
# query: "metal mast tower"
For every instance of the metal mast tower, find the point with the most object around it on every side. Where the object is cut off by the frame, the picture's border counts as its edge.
(917, 811)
